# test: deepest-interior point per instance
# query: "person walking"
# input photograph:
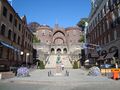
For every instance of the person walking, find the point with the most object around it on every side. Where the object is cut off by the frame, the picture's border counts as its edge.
(62, 66)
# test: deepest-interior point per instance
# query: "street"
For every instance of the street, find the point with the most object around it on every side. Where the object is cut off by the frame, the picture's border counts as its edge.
(78, 80)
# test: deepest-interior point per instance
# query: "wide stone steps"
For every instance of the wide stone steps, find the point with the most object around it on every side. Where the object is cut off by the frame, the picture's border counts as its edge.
(52, 61)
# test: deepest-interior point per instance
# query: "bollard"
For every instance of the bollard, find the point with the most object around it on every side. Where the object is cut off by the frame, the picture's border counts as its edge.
(48, 74)
(67, 73)
(0, 76)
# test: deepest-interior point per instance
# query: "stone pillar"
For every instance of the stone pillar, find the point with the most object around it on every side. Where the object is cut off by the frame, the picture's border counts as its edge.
(55, 51)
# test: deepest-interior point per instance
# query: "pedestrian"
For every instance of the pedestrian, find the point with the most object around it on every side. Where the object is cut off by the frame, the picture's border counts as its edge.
(116, 65)
(62, 66)
(37, 65)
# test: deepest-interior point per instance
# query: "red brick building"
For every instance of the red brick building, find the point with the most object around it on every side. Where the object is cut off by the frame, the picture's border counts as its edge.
(15, 38)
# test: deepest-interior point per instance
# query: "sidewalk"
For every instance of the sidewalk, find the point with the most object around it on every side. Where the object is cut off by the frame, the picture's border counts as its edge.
(76, 75)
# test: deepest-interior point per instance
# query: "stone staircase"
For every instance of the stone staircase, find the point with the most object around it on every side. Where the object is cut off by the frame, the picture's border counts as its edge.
(65, 61)
(51, 64)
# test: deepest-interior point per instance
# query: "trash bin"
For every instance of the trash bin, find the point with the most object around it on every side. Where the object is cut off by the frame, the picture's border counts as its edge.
(115, 74)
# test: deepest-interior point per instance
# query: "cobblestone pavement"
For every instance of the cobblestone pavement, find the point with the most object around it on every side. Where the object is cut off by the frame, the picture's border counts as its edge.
(77, 80)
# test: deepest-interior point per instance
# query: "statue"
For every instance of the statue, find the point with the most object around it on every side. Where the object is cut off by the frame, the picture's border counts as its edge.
(58, 65)
(58, 61)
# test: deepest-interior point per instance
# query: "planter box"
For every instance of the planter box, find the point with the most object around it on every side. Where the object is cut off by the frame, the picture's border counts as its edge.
(6, 75)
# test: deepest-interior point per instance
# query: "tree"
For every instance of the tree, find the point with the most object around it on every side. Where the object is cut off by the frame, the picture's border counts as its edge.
(33, 26)
(35, 39)
(81, 39)
(82, 23)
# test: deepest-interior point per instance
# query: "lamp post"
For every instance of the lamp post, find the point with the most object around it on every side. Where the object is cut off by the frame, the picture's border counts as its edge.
(21, 53)
(27, 55)
(85, 40)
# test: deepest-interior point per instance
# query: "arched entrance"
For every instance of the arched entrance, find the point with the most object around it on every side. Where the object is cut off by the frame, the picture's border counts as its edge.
(65, 50)
(52, 51)
(58, 51)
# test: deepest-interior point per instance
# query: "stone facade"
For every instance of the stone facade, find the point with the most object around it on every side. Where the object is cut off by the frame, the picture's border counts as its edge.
(59, 40)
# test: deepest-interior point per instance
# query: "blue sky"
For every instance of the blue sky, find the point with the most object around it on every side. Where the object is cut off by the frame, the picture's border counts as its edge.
(65, 12)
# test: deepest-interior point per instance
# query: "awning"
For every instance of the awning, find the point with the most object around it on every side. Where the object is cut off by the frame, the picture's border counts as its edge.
(9, 46)
(110, 55)
(101, 58)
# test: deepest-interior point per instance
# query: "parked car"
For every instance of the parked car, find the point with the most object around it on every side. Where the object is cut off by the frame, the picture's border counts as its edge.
(108, 66)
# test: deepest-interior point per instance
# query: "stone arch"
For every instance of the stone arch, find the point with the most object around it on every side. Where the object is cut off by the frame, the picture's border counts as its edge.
(60, 32)
(65, 50)
(58, 50)
(59, 38)
(52, 50)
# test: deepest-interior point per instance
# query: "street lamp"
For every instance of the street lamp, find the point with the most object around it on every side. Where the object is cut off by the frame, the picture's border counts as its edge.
(27, 54)
(21, 53)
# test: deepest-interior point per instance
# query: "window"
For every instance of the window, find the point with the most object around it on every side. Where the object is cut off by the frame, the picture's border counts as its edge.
(1, 51)
(101, 14)
(18, 40)
(14, 37)
(107, 7)
(5, 11)
(9, 34)
(15, 23)
(107, 24)
(11, 18)
(113, 16)
(98, 17)
(3, 29)
(119, 11)
(104, 26)
(104, 40)
(104, 9)
(108, 37)
(26, 35)
(109, 3)
(115, 35)
(25, 44)
(19, 26)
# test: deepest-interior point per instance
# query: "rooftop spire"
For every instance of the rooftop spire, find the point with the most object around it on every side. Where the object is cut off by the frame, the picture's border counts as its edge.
(56, 24)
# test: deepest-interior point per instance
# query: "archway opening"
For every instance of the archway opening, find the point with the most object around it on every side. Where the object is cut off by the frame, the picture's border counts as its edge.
(65, 50)
(52, 50)
(58, 50)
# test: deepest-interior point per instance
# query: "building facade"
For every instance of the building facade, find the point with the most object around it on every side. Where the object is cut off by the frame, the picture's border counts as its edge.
(15, 38)
(104, 25)
(59, 40)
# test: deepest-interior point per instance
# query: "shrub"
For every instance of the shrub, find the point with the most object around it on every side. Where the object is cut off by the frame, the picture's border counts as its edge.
(41, 65)
(75, 65)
